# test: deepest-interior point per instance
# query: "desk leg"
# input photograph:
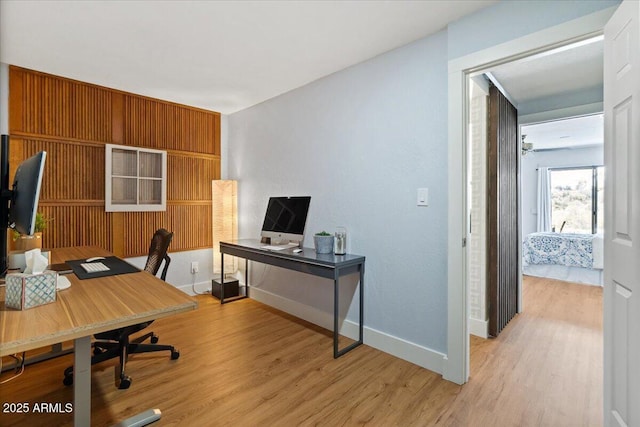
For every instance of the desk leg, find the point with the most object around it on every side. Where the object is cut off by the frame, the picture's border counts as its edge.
(246, 278)
(246, 282)
(336, 305)
(82, 382)
(221, 278)
(362, 303)
(336, 309)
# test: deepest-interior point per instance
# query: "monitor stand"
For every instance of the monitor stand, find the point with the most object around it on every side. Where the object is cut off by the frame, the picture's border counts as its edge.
(285, 243)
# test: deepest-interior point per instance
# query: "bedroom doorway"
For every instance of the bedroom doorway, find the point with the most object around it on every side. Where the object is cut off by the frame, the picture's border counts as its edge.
(552, 315)
(558, 95)
(563, 199)
(551, 135)
(456, 367)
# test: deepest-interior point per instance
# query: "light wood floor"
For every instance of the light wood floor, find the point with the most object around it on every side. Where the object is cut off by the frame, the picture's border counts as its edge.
(245, 364)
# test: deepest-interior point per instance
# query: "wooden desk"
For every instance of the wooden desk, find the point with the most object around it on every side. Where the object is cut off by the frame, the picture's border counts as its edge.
(86, 308)
(329, 266)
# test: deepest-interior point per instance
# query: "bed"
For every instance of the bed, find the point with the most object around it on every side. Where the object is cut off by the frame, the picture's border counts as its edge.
(564, 256)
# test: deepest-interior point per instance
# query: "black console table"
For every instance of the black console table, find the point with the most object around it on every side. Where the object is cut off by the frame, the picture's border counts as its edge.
(329, 266)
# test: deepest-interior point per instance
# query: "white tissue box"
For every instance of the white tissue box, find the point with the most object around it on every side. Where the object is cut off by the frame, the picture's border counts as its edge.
(30, 290)
(17, 260)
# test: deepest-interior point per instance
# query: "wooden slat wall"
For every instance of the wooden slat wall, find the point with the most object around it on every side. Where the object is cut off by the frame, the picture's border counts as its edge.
(503, 250)
(73, 121)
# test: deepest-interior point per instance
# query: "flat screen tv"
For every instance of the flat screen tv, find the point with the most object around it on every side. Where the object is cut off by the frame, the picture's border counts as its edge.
(285, 219)
(18, 204)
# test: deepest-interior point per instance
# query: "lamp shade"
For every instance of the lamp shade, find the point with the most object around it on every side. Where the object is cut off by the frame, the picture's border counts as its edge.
(224, 211)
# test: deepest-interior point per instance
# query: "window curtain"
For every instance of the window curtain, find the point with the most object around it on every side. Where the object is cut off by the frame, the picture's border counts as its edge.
(544, 200)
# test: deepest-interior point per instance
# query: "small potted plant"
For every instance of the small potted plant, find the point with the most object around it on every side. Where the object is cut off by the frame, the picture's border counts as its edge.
(24, 242)
(323, 242)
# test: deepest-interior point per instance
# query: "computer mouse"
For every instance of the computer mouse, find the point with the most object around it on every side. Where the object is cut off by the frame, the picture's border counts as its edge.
(297, 250)
(95, 258)
(62, 283)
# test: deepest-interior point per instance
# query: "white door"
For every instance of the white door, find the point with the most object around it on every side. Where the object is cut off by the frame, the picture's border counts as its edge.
(622, 217)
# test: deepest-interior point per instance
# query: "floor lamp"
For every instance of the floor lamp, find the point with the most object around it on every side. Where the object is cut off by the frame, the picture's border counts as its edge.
(224, 210)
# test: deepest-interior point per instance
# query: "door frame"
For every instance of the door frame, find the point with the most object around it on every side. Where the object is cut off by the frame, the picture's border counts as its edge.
(456, 364)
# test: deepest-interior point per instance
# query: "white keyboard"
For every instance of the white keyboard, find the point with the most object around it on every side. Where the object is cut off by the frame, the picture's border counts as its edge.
(94, 267)
(279, 247)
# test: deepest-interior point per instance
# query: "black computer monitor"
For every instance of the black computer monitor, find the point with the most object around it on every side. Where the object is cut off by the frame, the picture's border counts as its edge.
(18, 204)
(285, 219)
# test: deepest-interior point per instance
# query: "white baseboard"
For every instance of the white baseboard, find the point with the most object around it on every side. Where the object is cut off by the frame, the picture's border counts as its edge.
(479, 328)
(411, 352)
(200, 287)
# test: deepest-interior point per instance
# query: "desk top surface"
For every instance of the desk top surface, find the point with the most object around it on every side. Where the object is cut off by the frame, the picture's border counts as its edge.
(308, 255)
(89, 306)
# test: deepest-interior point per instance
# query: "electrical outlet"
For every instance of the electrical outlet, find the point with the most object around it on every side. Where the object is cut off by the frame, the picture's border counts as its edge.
(194, 267)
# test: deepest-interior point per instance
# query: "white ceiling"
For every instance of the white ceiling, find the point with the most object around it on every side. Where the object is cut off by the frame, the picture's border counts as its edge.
(563, 71)
(218, 55)
(575, 132)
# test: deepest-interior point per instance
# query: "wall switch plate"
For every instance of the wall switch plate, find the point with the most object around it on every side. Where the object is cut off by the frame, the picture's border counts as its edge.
(423, 197)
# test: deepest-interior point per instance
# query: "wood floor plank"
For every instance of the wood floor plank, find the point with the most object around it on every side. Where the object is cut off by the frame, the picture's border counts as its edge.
(247, 364)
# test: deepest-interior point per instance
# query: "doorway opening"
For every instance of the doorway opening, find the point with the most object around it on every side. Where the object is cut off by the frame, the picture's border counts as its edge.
(456, 367)
(558, 96)
(563, 135)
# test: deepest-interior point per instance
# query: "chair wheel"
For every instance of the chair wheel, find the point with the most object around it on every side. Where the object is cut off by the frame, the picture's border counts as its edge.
(154, 339)
(175, 354)
(68, 380)
(124, 383)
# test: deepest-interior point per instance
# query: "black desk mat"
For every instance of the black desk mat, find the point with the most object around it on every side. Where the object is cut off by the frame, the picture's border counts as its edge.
(115, 264)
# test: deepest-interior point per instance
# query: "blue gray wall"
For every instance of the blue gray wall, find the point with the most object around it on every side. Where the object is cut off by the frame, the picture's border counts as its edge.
(360, 142)
(511, 19)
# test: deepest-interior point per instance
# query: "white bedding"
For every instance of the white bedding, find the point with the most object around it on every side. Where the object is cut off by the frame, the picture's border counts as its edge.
(563, 256)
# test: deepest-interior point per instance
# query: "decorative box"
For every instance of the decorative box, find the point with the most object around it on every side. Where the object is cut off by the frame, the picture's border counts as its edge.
(231, 288)
(30, 290)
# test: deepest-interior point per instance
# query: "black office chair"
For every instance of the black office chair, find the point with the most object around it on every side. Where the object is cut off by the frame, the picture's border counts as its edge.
(117, 343)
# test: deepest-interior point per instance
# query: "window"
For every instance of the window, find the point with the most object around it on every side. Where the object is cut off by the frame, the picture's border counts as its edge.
(577, 199)
(135, 179)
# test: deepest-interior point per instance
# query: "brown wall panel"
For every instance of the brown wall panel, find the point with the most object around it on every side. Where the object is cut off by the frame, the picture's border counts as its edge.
(195, 222)
(165, 126)
(73, 121)
(62, 108)
(138, 226)
(76, 225)
(73, 172)
(181, 186)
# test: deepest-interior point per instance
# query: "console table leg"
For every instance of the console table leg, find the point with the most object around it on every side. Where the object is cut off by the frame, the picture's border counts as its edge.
(221, 278)
(336, 307)
(362, 303)
(336, 352)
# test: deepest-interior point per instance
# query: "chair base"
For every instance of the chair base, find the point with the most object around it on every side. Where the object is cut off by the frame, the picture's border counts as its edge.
(105, 350)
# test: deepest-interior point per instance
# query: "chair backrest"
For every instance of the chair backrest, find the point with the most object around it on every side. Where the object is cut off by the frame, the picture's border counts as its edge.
(158, 252)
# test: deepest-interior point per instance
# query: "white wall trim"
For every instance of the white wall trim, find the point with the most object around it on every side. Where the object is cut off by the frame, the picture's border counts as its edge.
(479, 328)
(419, 355)
(200, 288)
(411, 352)
(568, 32)
(456, 367)
(305, 312)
